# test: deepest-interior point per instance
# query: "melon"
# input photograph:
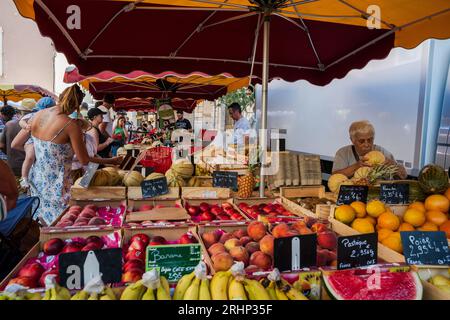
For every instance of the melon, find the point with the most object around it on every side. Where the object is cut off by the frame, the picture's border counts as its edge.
(121, 152)
(128, 146)
(357, 285)
(154, 175)
(174, 180)
(374, 158)
(361, 173)
(183, 168)
(100, 178)
(133, 179)
(122, 173)
(115, 178)
(335, 181)
(433, 179)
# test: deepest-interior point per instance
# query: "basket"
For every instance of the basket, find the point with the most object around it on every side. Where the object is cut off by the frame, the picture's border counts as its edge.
(159, 158)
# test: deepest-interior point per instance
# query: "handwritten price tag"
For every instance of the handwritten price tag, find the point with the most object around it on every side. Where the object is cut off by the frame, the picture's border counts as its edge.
(425, 247)
(357, 251)
(349, 194)
(394, 193)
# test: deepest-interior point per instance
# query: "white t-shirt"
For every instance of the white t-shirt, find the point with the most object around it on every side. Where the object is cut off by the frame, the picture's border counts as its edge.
(107, 118)
(241, 129)
(91, 148)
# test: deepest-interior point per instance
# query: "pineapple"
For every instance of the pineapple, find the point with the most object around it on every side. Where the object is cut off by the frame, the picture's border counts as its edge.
(246, 183)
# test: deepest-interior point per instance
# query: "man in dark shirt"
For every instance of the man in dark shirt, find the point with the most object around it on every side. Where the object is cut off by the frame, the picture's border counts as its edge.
(183, 123)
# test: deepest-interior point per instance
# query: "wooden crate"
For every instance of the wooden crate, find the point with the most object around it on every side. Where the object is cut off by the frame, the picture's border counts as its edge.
(204, 182)
(205, 193)
(98, 193)
(169, 213)
(303, 192)
(135, 193)
(431, 292)
(44, 236)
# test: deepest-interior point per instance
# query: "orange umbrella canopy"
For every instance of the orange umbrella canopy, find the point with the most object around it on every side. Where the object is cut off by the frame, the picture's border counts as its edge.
(18, 92)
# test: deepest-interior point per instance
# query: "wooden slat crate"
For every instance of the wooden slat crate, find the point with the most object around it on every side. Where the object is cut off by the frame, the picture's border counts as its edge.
(98, 193)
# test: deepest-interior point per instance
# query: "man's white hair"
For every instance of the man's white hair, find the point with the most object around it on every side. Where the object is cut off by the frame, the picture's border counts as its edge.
(361, 127)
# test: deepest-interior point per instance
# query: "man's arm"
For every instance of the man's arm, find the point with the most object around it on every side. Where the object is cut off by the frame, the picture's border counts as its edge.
(8, 185)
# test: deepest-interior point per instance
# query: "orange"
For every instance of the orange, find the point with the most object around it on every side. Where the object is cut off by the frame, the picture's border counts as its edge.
(345, 214)
(374, 208)
(396, 235)
(447, 193)
(371, 220)
(417, 205)
(414, 217)
(360, 208)
(394, 243)
(437, 202)
(383, 234)
(446, 228)
(436, 217)
(428, 226)
(406, 227)
(363, 225)
(388, 220)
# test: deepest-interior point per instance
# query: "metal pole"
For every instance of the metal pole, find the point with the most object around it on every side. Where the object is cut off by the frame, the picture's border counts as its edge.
(265, 84)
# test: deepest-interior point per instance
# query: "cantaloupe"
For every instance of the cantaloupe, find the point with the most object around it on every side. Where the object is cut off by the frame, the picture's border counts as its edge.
(374, 158)
(101, 178)
(115, 178)
(183, 168)
(154, 175)
(335, 181)
(133, 179)
(174, 180)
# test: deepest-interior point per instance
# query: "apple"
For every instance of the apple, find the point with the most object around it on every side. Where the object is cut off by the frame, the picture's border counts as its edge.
(96, 240)
(92, 246)
(223, 217)
(76, 208)
(91, 207)
(45, 274)
(157, 240)
(242, 206)
(135, 254)
(97, 221)
(227, 205)
(64, 223)
(24, 281)
(204, 206)
(134, 264)
(193, 211)
(137, 245)
(145, 207)
(207, 216)
(141, 236)
(267, 209)
(216, 210)
(53, 246)
(187, 238)
(71, 216)
(33, 270)
(72, 247)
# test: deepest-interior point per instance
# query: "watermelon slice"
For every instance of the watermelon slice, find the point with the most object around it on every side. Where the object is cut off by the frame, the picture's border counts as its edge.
(356, 285)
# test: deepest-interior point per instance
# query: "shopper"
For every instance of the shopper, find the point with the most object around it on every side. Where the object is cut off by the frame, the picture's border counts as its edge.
(183, 123)
(241, 125)
(106, 127)
(350, 158)
(102, 141)
(120, 135)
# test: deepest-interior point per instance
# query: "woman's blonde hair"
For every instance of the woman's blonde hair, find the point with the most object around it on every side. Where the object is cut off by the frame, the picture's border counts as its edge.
(69, 99)
(361, 127)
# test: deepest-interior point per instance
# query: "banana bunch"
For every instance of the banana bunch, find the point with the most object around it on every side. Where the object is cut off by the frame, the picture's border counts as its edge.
(56, 292)
(282, 290)
(191, 287)
(138, 291)
(106, 294)
(21, 295)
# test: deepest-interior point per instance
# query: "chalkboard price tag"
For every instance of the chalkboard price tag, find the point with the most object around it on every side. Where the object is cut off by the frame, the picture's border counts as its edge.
(349, 194)
(394, 193)
(154, 188)
(357, 251)
(88, 175)
(173, 261)
(295, 253)
(77, 268)
(225, 179)
(425, 247)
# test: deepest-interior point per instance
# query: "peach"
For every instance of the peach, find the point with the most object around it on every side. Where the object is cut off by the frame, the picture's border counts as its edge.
(266, 245)
(319, 227)
(211, 237)
(226, 236)
(231, 243)
(252, 268)
(216, 248)
(240, 254)
(222, 261)
(305, 230)
(244, 240)
(322, 257)
(252, 247)
(327, 240)
(240, 233)
(261, 260)
(281, 230)
(256, 230)
(69, 216)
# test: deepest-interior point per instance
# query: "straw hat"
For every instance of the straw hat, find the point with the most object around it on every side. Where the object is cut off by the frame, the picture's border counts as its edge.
(27, 105)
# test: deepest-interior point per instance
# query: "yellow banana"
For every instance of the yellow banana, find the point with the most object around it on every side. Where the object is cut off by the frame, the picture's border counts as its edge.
(182, 286)
(110, 293)
(148, 295)
(204, 293)
(105, 297)
(93, 296)
(54, 295)
(292, 293)
(193, 291)
(47, 295)
(271, 291)
(80, 295)
(33, 296)
(219, 285)
(162, 294)
(280, 294)
(165, 283)
(64, 293)
(133, 291)
(255, 290)
(236, 290)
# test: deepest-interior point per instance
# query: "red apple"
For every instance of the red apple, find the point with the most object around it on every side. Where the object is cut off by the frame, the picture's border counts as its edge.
(53, 246)
(71, 216)
(137, 245)
(96, 221)
(134, 254)
(72, 247)
(204, 206)
(157, 240)
(134, 264)
(24, 281)
(193, 211)
(91, 207)
(64, 223)
(96, 240)
(255, 207)
(242, 206)
(92, 246)
(132, 275)
(267, 209)
(227, 205)
(279, 209)
(77, 208)
(88, 211)
(142, 237)
(207, 216)
(45, 274)
(223, 217)
(33, 270)
(87, 215)
(188, 238)
(145, 207)
(216, 210)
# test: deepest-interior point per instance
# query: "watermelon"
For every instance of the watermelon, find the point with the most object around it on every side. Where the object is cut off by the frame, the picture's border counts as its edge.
(357, 285)
(433, 179)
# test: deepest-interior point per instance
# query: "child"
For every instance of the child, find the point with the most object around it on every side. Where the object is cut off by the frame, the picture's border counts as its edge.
(25, 123)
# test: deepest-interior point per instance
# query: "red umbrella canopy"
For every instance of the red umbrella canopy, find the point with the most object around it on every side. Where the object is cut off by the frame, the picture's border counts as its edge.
(313, 40)
(150, 104)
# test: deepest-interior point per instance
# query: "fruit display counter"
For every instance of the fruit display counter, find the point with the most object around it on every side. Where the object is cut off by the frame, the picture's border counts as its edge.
(435, 281)
(270, 210)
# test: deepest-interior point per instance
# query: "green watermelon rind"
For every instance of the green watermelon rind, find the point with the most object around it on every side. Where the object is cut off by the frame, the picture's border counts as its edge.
(335, 296)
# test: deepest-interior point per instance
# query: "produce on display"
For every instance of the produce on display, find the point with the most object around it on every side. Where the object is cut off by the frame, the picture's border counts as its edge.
(152, 286)
(91, 215)
(246, 183)
(174, 180)
(274, 212)
(154, 175)
(433, 179)
(205, 212)
(441, 281)
(133, 179)
(311, 203)
(357, 285)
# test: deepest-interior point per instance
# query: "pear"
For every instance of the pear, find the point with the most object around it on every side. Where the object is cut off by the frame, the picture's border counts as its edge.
(439, 280)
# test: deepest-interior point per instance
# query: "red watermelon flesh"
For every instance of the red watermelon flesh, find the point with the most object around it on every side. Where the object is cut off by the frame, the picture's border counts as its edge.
(348, 285)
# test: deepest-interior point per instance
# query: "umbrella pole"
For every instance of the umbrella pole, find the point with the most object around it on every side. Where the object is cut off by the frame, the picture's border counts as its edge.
(265, 84)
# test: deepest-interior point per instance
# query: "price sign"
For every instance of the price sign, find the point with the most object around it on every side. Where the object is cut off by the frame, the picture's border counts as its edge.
(357, 251)
(154, 188)
(394, 193)
(88, 175)
(173, 261)
(78, 268)
(295, 253)
(225, 179)
(425, 247)
(349, 194)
